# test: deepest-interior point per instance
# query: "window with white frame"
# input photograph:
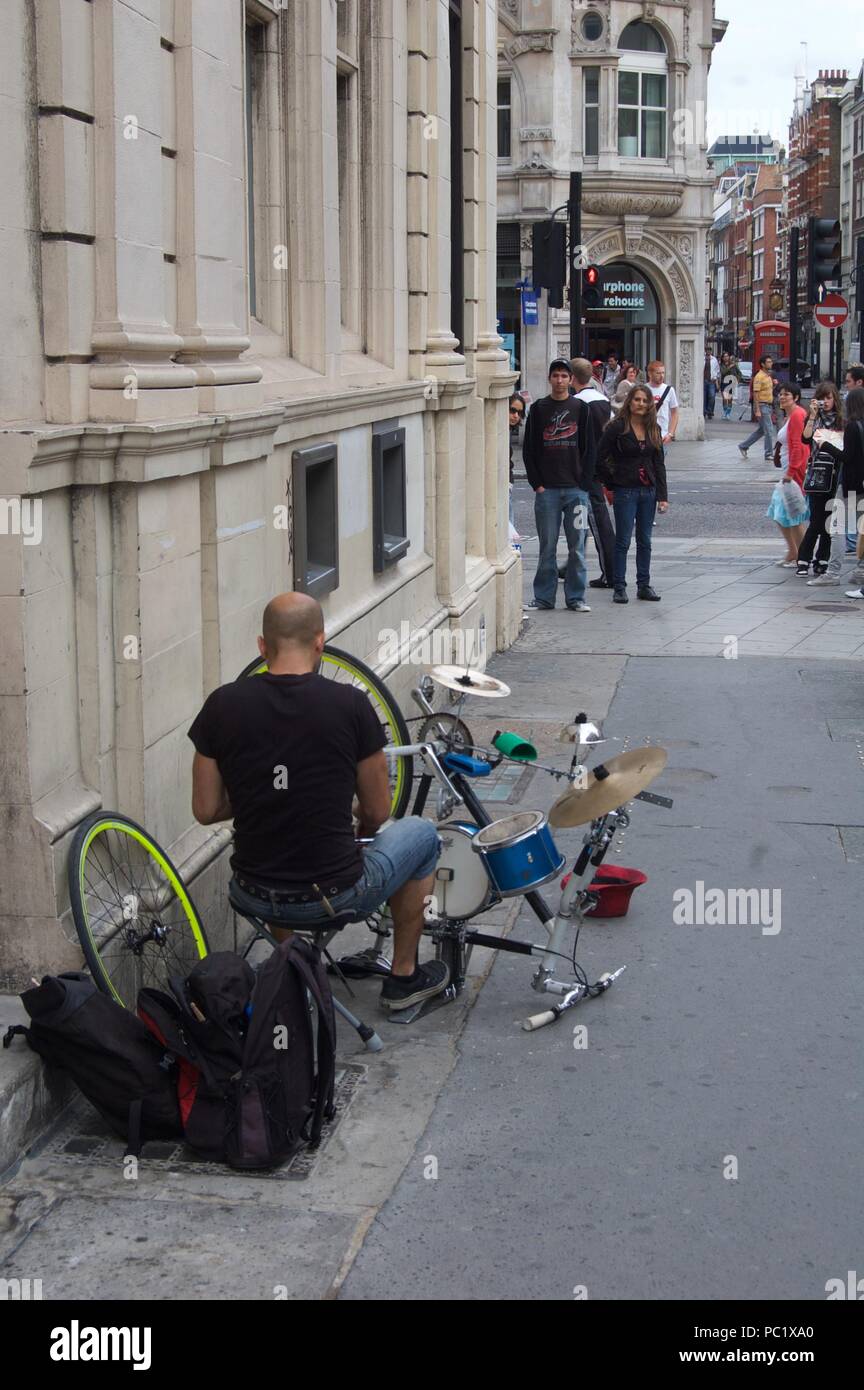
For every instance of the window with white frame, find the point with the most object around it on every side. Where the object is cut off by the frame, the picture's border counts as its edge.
(757, 307)
(759, 265)
(759, 225)
(642, 93)
(591, 106)
(505, 117)
(859, 200)
(266, 232)
(349, 156)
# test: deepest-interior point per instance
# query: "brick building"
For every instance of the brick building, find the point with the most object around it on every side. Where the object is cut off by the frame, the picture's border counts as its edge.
(814, 185)
(745, 255)
(852, 208)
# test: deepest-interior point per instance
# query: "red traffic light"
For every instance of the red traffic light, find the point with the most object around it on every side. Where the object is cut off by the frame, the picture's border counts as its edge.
(592, 275)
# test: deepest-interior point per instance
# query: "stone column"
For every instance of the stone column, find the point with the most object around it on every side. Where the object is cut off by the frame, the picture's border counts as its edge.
(212, 303)
(133, 376)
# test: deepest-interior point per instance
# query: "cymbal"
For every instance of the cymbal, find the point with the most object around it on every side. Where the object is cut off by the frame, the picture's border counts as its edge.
(469, 682)
(629, 773)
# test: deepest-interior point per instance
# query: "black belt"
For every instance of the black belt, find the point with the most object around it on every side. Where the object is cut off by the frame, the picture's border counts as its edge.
(309, 894)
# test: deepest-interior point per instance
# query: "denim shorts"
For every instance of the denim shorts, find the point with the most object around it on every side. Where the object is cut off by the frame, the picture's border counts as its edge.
(407, 849)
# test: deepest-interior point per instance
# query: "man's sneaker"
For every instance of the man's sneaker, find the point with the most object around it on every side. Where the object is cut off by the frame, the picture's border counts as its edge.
(742, 452)
(823, 581)
(620, 596)
(599, 584)
(802, 569)
(580, 606)
(648, 594)
(401, 991)
(547, 607)
(855, 593)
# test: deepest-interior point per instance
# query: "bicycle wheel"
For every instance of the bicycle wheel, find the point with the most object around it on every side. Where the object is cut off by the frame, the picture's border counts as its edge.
(135, 920)
(341, 666)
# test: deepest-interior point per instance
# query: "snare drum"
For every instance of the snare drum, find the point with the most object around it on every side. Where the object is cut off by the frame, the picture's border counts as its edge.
(461, 887)
(519, 852)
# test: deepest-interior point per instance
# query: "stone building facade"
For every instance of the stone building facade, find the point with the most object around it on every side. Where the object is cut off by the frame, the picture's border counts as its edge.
(241, 241)
(616, 89)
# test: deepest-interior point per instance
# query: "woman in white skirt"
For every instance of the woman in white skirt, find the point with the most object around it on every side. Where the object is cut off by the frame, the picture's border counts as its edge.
(794, 454)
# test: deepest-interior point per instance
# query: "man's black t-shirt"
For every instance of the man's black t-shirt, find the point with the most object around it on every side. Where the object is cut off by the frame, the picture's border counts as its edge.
(558, 449)
(287, 749)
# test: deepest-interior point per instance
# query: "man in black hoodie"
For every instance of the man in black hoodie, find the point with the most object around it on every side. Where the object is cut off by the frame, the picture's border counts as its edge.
(558, 452)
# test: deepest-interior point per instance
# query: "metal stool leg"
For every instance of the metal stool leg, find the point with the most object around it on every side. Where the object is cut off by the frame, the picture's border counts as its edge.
(369, 1036)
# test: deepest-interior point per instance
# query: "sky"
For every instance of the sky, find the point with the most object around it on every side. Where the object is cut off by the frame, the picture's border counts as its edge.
(752, 78)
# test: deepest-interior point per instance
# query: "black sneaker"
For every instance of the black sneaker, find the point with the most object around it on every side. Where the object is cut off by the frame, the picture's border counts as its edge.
(599, 584)
(803, 569)
(401, 991)
(620, 596)
(648, 594)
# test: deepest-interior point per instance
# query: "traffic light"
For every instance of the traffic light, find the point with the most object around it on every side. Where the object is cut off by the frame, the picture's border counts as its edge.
(549, 259)
(823, 255)
(592, 287)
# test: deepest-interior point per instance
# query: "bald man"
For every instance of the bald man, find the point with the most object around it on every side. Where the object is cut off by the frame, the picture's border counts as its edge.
(284, 754)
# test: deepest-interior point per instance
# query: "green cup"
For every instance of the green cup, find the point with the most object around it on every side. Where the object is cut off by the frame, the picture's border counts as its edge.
(514, 746)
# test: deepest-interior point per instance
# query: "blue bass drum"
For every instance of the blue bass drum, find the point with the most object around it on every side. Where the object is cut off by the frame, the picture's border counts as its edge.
(519, 852)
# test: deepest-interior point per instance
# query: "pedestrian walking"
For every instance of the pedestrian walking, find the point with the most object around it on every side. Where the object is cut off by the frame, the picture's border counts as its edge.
(794, 454)
(763, 407)
(730, 379)
(625, 386)
(710, 384)
(559, 455)
(611, 373)
(598, 513)
(826, 413)
(851, 461)
(665, 401)
(631, 463)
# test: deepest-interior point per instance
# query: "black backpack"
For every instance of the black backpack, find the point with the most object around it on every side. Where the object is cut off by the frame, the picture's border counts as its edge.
(123, 1071)
(247, 1085)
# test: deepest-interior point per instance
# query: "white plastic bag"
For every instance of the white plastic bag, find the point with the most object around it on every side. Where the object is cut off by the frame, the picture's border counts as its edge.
(793, 499)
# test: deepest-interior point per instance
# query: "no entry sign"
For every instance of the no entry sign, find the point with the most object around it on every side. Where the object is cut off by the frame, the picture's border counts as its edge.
(833, 311)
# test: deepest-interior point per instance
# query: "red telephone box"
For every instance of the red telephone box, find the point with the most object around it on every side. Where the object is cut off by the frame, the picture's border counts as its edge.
(770, 339)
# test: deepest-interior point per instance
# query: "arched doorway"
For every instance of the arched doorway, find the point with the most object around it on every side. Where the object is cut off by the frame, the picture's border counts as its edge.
(629, 322)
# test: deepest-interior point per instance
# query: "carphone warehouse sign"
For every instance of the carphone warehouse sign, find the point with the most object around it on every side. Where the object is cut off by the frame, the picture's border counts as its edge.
(624, 294)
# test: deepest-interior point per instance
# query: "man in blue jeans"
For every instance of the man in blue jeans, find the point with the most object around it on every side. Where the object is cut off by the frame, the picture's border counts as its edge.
(558, 452)
(285, 754)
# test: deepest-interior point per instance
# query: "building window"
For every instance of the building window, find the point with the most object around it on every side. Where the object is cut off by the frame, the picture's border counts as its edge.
(759, 265)
(640, 37)
(349, 156)
(642, 94)
(642, 115)
(505, 117)
(389, 503)
(757, 307)
(457, 218)
(316, 534)
(759, 225)
(591, 77)
(592, 26)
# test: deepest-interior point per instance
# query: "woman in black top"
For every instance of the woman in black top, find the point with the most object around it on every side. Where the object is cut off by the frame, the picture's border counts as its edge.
(631, 464)
(826, 413)
(851, 460)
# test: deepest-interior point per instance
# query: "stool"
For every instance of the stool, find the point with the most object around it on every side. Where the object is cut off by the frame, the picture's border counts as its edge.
(320, 938)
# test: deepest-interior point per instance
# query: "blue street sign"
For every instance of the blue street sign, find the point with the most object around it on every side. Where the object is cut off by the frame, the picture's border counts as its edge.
(530, 313)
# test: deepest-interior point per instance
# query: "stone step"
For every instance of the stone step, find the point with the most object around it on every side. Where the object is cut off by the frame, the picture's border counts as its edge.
(30, 1098)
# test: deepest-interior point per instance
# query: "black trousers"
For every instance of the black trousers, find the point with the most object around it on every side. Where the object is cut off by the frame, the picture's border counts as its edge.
(817, 531)
(602, 530)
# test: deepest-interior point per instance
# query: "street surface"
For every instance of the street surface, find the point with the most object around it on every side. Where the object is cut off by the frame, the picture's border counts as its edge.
(701, 1139)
